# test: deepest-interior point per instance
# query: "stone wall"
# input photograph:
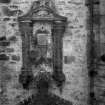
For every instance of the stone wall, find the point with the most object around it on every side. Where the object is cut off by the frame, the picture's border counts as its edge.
(99, 78)
(76, 88)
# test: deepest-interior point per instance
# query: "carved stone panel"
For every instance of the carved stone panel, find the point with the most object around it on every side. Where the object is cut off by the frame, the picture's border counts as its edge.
(42, 30)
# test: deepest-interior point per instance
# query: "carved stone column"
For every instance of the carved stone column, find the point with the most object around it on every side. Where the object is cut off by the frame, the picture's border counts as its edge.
(58, 31)
(26, 73)
(26, 32)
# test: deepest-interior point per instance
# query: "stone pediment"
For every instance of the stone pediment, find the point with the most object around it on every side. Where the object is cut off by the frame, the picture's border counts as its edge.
(42, 11)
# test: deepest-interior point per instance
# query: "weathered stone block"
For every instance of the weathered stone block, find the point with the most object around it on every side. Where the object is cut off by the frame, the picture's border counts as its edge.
(15, 58)
(9, 50)
(69, 59)
(4, 43)
(13, 39)
(102, 7)
(6, 19)
(2, 38)
(4, 57)
(5, 1)
(2, 50)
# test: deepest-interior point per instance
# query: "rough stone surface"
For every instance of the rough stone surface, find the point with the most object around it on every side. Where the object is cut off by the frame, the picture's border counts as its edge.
(99, 79)
(74, 45)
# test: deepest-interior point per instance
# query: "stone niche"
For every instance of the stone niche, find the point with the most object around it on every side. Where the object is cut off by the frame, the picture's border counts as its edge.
(42, 30)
